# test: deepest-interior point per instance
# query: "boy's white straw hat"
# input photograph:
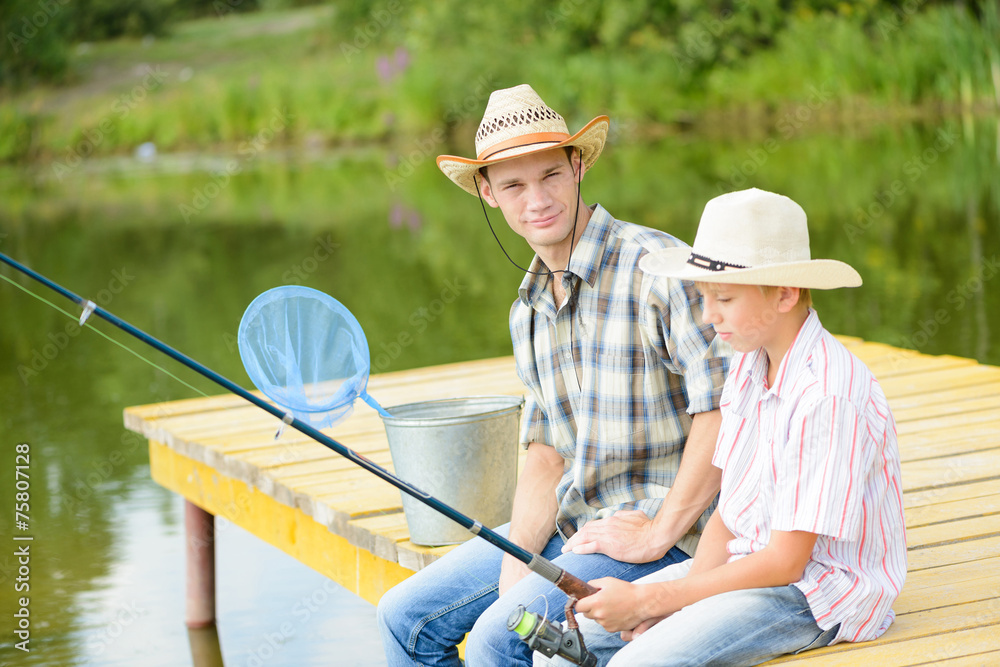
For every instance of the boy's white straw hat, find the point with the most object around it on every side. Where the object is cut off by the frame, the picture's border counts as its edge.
(517, 122)
(751, 237)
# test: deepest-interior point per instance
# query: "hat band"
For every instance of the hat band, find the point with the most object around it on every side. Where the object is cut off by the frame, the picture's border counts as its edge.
(703, 262)
(524, 140)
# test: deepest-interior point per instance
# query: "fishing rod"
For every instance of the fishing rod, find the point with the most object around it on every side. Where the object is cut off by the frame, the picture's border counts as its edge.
(573, 586)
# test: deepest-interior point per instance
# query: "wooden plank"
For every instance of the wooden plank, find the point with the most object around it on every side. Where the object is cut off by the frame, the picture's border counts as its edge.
(897, 366)
(949, 511)
(907, 627)
(931, 403)
(977, 466)
(949, 442)
(987, 659)
(958, 422)
(948, 494)
(954, 531)
(956, 552)
(949, 585)
(923, 651)
(938, 380)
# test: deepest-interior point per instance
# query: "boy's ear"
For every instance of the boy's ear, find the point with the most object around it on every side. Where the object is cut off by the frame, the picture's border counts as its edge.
(486, 191)
(788, 298)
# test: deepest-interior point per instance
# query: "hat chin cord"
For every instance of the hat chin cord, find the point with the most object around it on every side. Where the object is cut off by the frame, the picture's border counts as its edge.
(572, 240)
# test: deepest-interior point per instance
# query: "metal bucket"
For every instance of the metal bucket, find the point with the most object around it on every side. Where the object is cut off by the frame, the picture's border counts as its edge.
(462, 451)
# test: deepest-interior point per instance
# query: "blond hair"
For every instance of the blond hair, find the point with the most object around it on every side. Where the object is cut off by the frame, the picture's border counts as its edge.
(805, 296)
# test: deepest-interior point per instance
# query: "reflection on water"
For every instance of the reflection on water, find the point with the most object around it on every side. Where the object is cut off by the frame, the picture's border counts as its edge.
(914, 208)
(205, 648)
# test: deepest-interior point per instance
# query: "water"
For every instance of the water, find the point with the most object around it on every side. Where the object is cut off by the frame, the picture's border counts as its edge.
(179, 251)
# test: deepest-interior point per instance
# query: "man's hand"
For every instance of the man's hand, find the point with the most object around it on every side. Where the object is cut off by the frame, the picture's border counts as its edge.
(511, 571)
(626, 536)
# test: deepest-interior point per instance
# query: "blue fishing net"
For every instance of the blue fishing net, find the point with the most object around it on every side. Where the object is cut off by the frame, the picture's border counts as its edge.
(306, 352)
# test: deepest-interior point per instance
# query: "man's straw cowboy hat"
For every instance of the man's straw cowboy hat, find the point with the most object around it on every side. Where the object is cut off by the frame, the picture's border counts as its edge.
(517, 122)
(751, 237)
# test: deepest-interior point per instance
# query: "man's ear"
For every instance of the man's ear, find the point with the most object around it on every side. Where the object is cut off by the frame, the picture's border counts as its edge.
(579, 166)
(485, 190)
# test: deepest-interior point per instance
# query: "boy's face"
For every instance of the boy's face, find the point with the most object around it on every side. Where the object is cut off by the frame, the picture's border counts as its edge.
(537, 194)
(741, 315)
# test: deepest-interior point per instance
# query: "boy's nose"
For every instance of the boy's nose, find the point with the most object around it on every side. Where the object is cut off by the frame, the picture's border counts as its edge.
(709, 315)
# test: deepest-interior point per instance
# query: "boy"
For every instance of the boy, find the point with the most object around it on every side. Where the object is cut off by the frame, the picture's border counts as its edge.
(807, 546)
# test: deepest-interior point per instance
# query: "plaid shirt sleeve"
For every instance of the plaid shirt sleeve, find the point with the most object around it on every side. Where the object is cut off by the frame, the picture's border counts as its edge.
(686, 345)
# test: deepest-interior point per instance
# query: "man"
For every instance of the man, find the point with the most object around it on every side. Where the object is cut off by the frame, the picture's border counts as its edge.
(623, 384)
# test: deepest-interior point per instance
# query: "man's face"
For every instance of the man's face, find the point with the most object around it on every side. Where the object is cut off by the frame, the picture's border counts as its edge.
(538, 196)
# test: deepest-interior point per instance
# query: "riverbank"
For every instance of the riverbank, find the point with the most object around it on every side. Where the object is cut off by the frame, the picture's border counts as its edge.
(307, 78)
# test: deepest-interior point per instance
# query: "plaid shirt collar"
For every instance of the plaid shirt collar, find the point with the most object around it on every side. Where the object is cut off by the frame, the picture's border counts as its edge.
(584, 262)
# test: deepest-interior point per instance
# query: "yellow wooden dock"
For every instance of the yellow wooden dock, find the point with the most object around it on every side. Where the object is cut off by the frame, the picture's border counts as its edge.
(220, 454)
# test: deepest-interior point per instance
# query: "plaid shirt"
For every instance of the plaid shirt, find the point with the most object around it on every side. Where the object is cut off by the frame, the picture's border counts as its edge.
(614, 375)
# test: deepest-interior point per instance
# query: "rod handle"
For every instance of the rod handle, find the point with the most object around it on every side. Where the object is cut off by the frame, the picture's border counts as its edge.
(573, 586)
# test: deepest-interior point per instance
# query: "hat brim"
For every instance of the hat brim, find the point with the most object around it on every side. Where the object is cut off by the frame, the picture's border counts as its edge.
(462, 171)
(812, 274)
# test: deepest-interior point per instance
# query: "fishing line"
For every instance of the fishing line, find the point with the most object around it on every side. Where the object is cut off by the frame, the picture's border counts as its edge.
(101, 333)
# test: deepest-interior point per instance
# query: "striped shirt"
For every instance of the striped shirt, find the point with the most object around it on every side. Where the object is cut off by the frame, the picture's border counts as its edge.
(615, 373)
(817, 452)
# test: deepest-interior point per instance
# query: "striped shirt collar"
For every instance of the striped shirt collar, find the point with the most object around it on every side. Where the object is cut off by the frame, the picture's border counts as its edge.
(797, 355)
(584, 262)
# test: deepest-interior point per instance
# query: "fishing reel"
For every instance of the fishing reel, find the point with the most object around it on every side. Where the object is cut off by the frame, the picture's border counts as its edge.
(549, 638)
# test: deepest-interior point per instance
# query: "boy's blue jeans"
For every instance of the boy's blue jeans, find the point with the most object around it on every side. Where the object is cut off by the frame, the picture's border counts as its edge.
(745, 627)
(424, 618)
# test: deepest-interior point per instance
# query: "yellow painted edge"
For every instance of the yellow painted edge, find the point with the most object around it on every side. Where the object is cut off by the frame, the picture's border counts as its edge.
(284, 527)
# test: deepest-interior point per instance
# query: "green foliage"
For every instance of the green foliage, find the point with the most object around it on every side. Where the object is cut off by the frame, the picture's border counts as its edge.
(34, 42)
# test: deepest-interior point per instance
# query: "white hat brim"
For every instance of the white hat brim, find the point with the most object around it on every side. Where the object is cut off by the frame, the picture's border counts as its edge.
(812, 274)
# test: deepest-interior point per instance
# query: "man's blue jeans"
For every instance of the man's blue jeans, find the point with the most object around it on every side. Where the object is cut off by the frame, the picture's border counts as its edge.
(745, 627)
(424, 618)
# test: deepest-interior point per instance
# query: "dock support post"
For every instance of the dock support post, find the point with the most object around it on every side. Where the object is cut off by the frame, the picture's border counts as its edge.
(199, 528)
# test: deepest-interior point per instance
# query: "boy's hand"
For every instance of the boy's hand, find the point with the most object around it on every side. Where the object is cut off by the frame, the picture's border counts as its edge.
(618, 606)
(626, 536)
